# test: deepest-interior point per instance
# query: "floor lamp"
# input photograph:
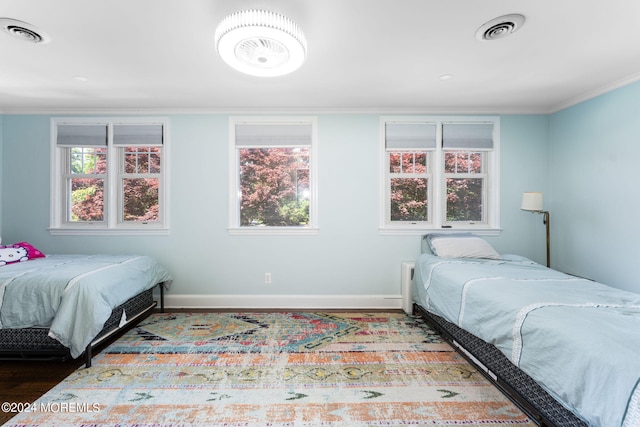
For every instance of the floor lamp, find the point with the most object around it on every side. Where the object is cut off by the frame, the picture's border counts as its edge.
(532, 202)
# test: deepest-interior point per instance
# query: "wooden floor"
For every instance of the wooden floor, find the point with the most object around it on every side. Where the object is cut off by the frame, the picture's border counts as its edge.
(24, 381)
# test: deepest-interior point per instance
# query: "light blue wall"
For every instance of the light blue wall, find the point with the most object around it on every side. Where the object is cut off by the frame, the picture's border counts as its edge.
(595, 196)
(525, 159)
(347, 257)
(1, 174)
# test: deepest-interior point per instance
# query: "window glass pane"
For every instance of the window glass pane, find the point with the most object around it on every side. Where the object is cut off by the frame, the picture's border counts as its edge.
(274, 186)
(87, 199)
(140, 199)
(418, 162)
(475, 163)
(464, 199)
(142, 159)
(88, 160)
(409, 199)
(408, 162)
(154, 159)
(395, 160)
(462, 162)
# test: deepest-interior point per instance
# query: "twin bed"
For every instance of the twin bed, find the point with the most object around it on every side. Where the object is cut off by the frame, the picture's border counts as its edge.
(565, 348)
(65, 305)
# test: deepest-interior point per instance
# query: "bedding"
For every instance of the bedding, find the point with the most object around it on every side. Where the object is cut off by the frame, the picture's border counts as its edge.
(73, 295)
(460, 245)
(579, 339)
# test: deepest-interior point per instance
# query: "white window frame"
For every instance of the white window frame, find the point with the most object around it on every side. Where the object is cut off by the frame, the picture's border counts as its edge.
(234, 178)
(113, 223)
(437, 185)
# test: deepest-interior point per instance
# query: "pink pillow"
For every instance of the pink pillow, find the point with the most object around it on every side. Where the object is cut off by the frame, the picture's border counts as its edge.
(17, 252)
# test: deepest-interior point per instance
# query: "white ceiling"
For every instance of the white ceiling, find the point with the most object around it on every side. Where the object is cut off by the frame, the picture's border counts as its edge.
(363, 55)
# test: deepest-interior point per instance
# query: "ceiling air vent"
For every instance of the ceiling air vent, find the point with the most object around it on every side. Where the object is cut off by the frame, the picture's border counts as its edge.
(23, 31)
(500, 27)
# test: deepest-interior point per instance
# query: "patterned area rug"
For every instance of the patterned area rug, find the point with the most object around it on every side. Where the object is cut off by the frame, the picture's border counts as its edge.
(276, 369)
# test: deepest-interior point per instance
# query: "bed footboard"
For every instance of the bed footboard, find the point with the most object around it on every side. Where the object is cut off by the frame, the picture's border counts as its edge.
(539, 405)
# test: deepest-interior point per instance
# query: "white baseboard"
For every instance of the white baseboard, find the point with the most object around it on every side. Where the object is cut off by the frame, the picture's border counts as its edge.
(284, 301)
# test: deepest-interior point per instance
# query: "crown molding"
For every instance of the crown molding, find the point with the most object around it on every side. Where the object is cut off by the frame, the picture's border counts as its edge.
(268, 110)
(595, 93)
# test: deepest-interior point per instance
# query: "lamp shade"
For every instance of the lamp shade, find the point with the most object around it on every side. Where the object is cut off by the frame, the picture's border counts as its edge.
(531, 201)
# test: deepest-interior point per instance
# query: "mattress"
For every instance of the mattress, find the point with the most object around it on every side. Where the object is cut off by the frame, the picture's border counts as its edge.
(35, 342)
(580, 340)
(73, 295)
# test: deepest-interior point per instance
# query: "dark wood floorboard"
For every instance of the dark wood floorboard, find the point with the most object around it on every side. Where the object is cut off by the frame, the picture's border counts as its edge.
(23, 381)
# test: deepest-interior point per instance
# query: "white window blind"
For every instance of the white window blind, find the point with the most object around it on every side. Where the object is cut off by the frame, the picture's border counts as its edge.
(273, 135)
(137, 134)
(467, 136)
(81, 135)
(410, 136)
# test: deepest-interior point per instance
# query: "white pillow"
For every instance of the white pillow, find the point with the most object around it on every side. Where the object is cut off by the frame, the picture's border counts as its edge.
(461, 246)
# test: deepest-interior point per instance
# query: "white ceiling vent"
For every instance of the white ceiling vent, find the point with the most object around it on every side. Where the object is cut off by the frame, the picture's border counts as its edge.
(23, 31)
(500, 27)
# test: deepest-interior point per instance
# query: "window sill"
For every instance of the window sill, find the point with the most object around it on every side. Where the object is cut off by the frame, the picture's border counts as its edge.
(423, 231)
(109, 231)
(273, 231)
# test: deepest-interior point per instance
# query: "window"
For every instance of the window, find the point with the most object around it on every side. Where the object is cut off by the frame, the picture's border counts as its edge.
(440, 173)
(108, 176)
(273, 175)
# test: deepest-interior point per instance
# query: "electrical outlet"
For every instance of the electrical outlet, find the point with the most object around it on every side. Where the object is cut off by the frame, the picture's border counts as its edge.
(267, 278)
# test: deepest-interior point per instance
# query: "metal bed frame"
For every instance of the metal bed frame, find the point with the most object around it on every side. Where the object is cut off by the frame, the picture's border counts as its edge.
(35, 343)
(520, 388)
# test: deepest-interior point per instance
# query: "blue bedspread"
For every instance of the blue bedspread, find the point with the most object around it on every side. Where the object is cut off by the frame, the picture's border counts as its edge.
(579, 339)
(73, 295)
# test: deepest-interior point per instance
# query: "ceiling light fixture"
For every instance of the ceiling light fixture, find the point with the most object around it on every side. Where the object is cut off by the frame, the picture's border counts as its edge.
(260, 43)
(500, 27)
(23, 31)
